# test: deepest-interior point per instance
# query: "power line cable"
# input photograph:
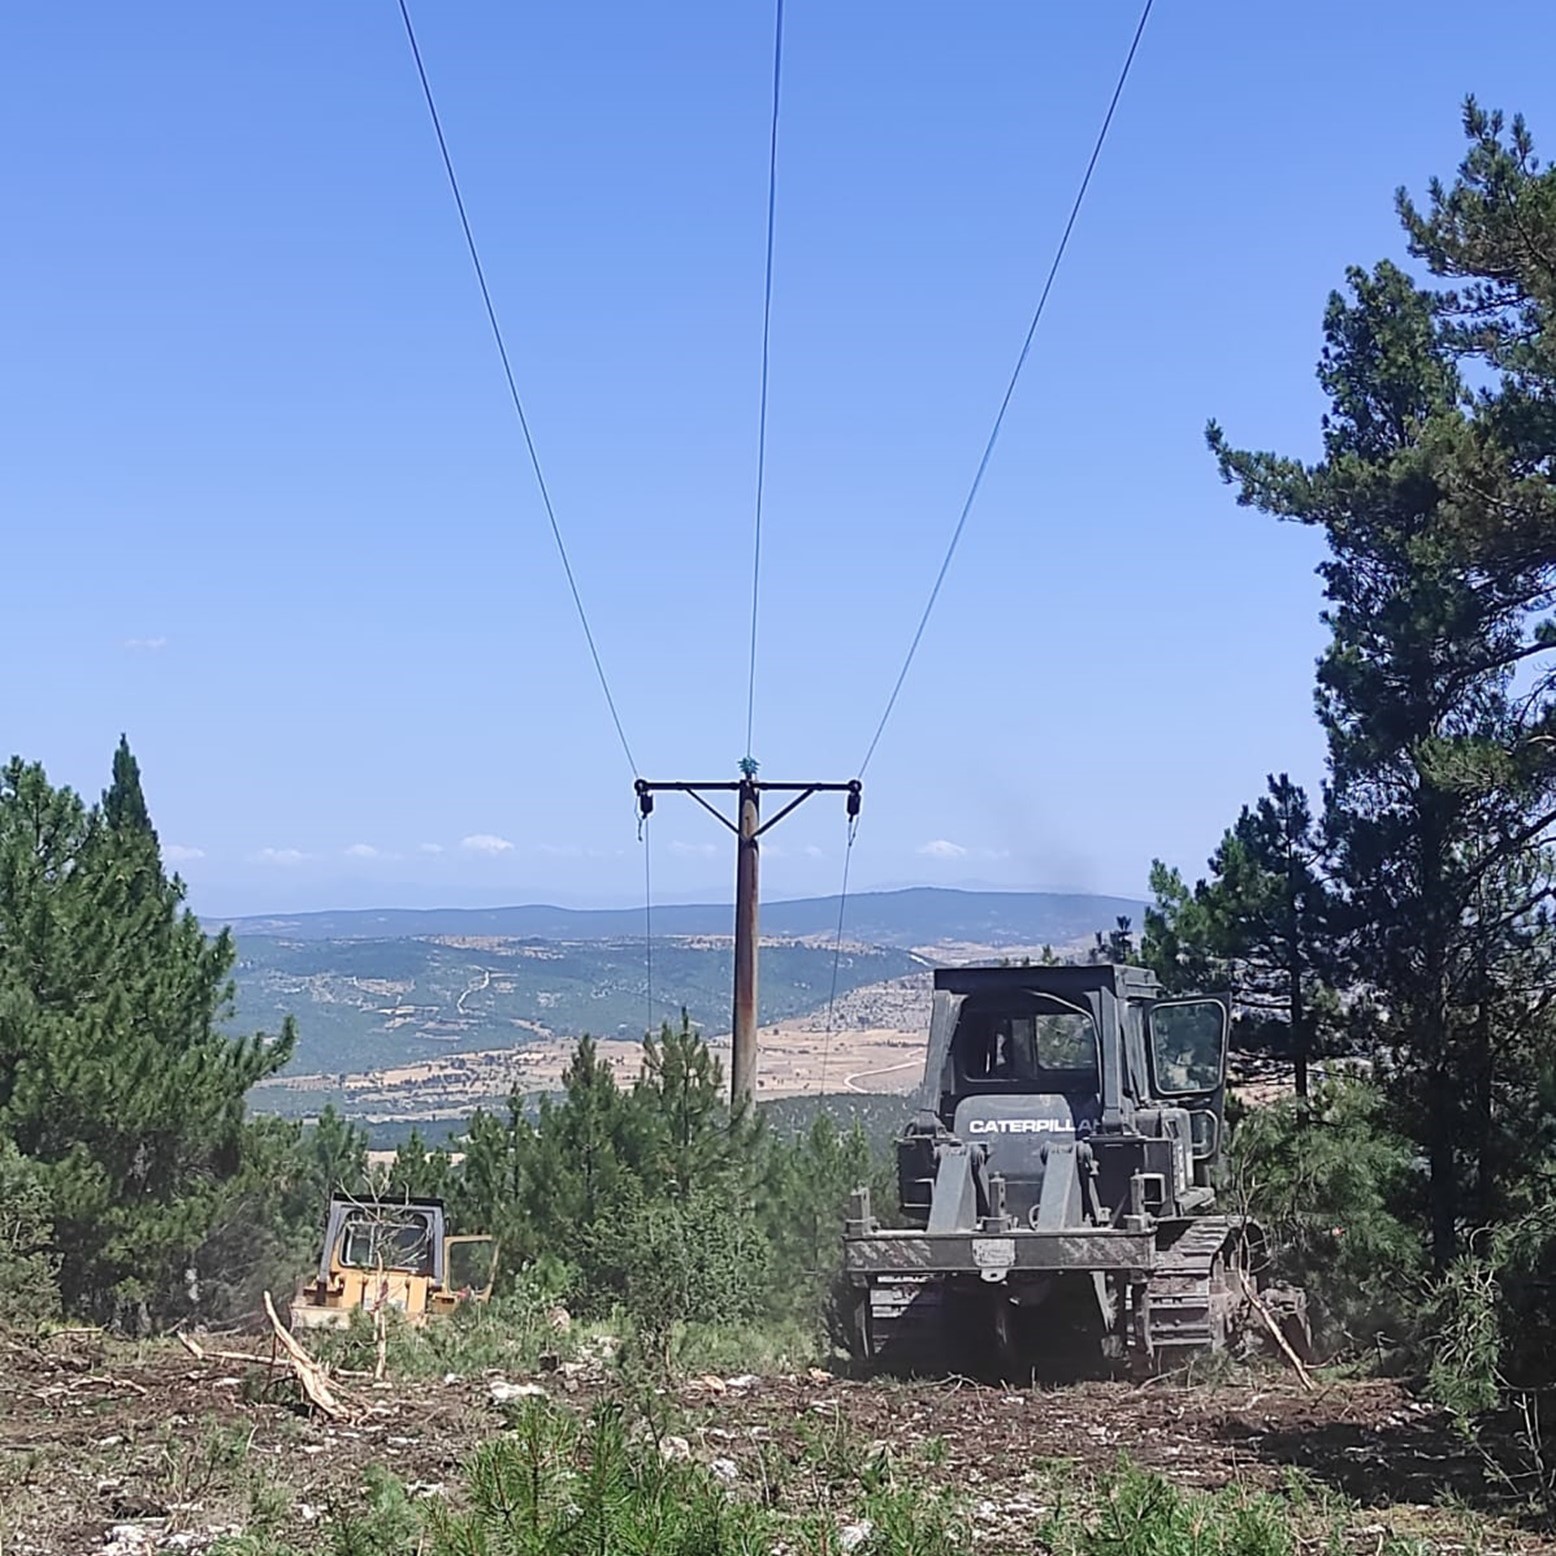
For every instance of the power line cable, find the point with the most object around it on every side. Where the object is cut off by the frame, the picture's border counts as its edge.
(837, 954)
(513, 388)
(1010, 388)
(767, 330)
(648, 920)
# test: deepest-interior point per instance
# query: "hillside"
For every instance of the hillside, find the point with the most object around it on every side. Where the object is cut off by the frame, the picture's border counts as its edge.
(916, 916)
(369, 1004)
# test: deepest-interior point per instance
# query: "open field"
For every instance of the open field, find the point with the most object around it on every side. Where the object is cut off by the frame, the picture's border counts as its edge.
(114, 1448)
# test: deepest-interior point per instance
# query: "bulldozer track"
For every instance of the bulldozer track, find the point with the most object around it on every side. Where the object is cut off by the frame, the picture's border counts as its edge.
(1193, 1295)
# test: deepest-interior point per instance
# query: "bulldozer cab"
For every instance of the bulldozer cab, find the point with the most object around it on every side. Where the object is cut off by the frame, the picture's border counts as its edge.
(396, 1255)
(1086, 1049)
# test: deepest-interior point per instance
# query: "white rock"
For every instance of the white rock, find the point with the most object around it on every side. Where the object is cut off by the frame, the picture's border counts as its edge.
(746, 1380)
(724, 1469)
(501, 1392)
(127, 1540)
(851, 1536)
(674, 1448)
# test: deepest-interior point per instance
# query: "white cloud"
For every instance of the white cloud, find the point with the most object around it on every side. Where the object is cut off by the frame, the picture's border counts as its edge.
(144, 645)
(429, 848)
(280, 856)
(486, 843)
(943, 848)
(812, 852)
(693, 850)
(177, 853)
(363, 851)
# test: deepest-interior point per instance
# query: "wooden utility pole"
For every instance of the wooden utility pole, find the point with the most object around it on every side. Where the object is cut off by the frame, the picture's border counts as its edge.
(748, 827)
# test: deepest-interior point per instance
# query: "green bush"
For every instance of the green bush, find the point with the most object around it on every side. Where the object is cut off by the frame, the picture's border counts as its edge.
(1330, 1181)
(702, 1259)
(29, 1288)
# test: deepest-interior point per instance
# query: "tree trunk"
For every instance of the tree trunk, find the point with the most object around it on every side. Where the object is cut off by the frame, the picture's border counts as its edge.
(1300, 1044)
(1443, 1168)
(1485, 1170)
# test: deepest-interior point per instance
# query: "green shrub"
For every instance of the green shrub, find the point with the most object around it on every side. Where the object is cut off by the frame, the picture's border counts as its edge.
(700, 1259)
(29, 1289)
(1330, 1182)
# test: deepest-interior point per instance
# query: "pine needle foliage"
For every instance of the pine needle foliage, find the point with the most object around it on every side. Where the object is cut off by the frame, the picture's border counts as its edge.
(118, 1079)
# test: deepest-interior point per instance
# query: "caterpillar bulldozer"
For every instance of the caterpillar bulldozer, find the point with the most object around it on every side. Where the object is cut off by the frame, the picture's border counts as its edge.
(1056, 1186)
(395, 1255)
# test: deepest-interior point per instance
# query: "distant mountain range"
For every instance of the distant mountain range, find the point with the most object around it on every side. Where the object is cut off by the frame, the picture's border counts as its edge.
(916, 916)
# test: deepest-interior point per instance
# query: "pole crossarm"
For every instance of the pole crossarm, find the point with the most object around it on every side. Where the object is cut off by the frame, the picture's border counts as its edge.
(747, 829)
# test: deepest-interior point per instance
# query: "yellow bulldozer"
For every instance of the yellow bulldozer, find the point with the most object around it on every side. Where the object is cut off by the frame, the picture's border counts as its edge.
(381, 1256)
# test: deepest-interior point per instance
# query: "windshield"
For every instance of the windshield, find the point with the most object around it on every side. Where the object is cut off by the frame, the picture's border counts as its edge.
(1048, 1047)
(1188, 1046)
(388, 1240)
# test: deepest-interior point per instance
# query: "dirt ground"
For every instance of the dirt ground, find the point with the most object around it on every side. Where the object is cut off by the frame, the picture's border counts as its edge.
(107, 1447)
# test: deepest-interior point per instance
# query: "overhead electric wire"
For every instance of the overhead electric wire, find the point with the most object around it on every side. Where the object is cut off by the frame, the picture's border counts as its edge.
(837, 956)
(513, 388)
(1010, 388)
(767, 332)
(648, 921)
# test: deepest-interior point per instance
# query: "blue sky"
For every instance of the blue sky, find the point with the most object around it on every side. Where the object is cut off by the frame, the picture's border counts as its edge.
(267, 511)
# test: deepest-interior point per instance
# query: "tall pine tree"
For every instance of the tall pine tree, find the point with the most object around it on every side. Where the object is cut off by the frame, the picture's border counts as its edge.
(1414, 691)
(118, 1078)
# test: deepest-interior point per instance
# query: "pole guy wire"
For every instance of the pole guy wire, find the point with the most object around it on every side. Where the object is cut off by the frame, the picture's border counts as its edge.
(1010, 388)
(767, 331)
(513, 387)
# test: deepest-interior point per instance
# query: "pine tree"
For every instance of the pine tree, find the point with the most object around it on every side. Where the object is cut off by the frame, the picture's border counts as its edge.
(1261, 926)
(117, 1076)
(691, 1137)
(1414, 693)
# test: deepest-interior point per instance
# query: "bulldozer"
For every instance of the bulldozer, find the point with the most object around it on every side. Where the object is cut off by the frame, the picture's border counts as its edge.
(1056, 1187)
(392, 1256)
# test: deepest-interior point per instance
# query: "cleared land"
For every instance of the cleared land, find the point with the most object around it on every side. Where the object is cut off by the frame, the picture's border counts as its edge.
(108, 1447)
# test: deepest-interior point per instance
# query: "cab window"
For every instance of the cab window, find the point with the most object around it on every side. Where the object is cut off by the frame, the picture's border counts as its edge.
(398, 1242)
(1188, 1046)
(1052, 1049)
